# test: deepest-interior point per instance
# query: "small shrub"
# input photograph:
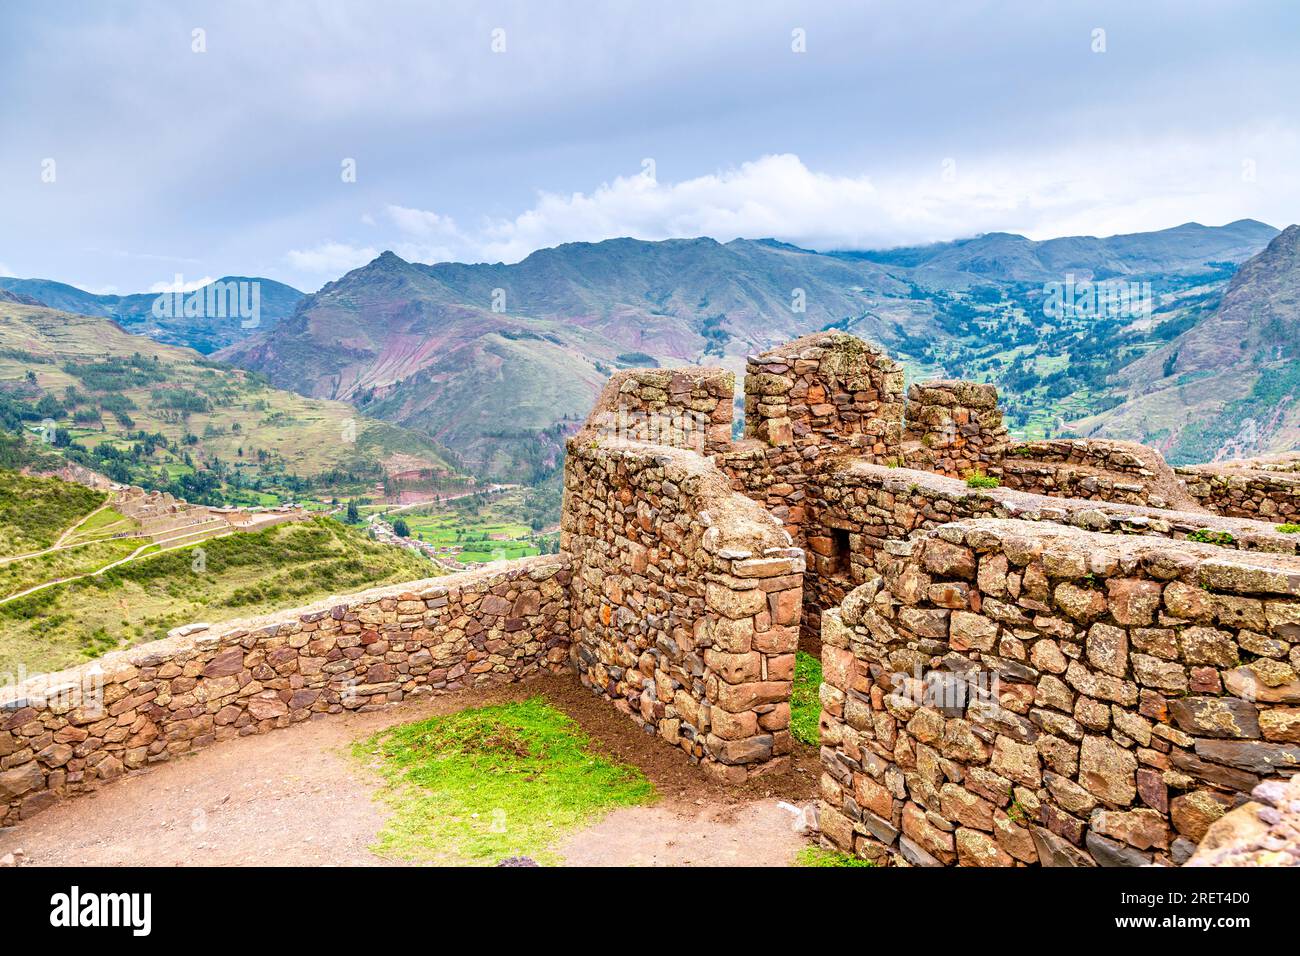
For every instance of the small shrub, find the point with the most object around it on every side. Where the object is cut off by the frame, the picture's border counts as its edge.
(1289, 528)
(980, 480)
(1204, 535)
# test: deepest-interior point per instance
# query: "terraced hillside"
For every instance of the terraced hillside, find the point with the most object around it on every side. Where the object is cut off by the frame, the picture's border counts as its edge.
(164, 417)
(494, 360)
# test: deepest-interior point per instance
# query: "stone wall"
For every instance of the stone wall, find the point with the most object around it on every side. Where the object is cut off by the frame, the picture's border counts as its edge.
(858, 508)
(1246, 492)
(67, 734)
(1017, 693)
(1095, 469)
(954, 428)
(812, 399)
(684, 408)
(686, 602)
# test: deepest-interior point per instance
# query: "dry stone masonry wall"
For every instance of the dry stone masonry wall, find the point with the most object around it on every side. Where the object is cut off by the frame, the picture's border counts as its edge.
(860, 508)
(954, 428)
(1268, 491)
(816, 397)
(686, 603)
(134, 708)
(682, 408)
(1015, 693)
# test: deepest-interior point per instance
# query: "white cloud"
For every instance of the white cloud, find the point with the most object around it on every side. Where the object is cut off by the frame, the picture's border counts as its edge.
(330, 258)
(4, 270)
(179, 284)
(1101, 191)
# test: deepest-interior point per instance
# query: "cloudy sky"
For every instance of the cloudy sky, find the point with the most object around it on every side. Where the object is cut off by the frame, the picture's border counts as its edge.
(139, 141)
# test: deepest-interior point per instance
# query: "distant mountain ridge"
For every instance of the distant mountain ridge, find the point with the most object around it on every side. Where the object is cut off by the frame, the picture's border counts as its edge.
(496, 361)
(493, 359)
(1230, 385)
(204, 333)
(1010, 257)
(153, 414)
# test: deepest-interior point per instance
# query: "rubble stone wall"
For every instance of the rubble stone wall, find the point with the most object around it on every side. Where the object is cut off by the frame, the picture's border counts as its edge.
(67, 733)
(815, 398)
(686, 602)
(859, 508)
(1095, 469)
(1266, 495)
(1012, 693)
(954, 428)
(684, 408)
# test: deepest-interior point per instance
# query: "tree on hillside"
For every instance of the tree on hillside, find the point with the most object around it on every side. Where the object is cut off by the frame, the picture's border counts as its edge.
(353, 517)
(400, 528)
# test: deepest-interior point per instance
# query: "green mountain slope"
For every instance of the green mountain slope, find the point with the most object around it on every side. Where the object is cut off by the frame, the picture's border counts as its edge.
(241, 575)
(215, 325)
(1228, 386)
(165, 417)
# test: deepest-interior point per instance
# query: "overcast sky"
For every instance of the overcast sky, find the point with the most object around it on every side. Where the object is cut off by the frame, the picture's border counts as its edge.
(899, 123)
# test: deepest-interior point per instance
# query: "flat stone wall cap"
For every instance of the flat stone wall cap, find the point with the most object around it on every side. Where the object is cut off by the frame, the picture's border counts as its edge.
(1241, 578)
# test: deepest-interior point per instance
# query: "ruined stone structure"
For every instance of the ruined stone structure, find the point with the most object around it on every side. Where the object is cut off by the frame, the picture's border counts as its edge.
(1267, 488)
(1077, 658)
(954, 428)
(1005, 692)
(68, 733)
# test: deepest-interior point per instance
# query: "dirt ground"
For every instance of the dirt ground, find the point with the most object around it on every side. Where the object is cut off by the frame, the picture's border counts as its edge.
(295, 797)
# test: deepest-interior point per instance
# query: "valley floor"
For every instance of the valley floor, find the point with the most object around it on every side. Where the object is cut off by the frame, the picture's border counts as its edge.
(296, 797)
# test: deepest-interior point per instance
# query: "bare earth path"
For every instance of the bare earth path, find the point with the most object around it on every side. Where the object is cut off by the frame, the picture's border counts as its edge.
(296, 798)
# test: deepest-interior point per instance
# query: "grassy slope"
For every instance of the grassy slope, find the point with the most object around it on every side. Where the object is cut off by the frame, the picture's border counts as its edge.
(489, 783)
(242, 575)
(301, 436)
(17, 576)
(35, 511)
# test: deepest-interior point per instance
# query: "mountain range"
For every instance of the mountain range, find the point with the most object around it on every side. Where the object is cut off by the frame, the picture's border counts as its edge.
(136, 313)
(497, 361)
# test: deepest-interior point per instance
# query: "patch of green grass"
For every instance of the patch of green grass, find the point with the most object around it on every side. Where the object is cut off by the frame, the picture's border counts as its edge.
(487, 783)
(1289, 528)
(980, 480)
(819, 856)
(101, 525)
(1204, 535)
(805, 699)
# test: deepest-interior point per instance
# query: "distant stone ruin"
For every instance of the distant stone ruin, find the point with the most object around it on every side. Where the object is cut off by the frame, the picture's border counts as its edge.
(1053, 653)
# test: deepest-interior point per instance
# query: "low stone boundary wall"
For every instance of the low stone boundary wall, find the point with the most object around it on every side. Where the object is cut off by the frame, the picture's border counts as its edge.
(1265, 495)
(1095, 469)
(1015, 693)
(686, 602)
(67, 733)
